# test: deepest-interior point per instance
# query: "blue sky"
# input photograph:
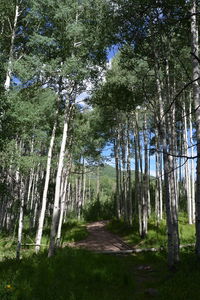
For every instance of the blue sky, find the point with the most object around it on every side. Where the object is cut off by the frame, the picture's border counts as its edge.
(112, 51)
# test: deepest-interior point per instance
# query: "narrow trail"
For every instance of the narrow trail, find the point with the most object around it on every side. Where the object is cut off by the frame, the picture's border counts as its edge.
(99, 239)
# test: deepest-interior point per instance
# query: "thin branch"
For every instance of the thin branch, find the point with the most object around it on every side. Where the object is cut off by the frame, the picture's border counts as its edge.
(177, 95)
(174, 169)
(175, 155)
(195, 56)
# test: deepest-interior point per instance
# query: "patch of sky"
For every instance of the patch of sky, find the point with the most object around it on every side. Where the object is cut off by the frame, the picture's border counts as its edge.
(111, 52)
(16, 81)
(109, 159)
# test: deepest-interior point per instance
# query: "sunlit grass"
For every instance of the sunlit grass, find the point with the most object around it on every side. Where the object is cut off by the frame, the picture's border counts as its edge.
(157, 233)
(72, 231)
(82, 275)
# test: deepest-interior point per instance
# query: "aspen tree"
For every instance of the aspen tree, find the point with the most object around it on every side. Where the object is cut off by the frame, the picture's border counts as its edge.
(196, 97)
(44, 197)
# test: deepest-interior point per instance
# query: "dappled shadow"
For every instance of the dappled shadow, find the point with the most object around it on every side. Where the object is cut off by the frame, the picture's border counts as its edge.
(71, 274)
(99, 239)
(80, 274)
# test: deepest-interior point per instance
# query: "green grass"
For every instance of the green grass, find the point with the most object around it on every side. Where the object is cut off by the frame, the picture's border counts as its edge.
(157, 233)
(71, 274)
(71, 232)
(183, 284)
(82, 275)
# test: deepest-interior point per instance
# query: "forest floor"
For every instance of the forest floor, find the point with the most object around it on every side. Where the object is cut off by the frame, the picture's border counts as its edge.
(84, 272)
(100, 239)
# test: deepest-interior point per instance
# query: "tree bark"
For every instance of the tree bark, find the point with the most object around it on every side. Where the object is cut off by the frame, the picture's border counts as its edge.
(196, 96)
(187, 173)
(192, 163)
(45, 191)
(9, 68)
(117, 191)
(56, 208)
(129, 183)
(21, 218)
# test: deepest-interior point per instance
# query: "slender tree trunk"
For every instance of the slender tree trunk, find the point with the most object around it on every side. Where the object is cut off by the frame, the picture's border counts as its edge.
(143, 195)
(169, 179)
(129, 183)
(89, 187)
(98, 183)
(30, 185)
(34, 198)
(192, 163)
(45, 191)
(187, 174)
(137, 201)
(124, 174)
(158, 190)
(62, 207)
(68, 202)
(21, 217)
(196, 95)
(84, 183)
(146, 169)
(117, 192)
(56, 208)
(80, 196)
(9, 68)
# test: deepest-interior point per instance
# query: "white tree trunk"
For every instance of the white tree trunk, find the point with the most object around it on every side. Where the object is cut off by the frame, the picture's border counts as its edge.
(56, 208)
(192, 164)
(62, 206)
(129, 183)
(169, 178)
(45, 191)
(9, 68)
(21, 217)
(117, 191)
(196, 95)
(187, 173)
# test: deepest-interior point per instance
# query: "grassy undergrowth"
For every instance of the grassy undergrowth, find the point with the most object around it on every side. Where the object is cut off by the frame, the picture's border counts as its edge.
(183, 284)
(82, 275)
(157, 233)
(71, 274)
(71, 232)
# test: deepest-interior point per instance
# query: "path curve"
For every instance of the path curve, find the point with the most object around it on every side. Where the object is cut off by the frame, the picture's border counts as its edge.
(100, 239)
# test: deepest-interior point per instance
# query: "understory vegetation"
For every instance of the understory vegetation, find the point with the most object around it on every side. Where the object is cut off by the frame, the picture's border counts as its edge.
(99, 120)
(157, 233)
(80, 274)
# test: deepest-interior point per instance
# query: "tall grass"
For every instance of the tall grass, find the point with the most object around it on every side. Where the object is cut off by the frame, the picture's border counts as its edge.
(71, 274)
(157, 233)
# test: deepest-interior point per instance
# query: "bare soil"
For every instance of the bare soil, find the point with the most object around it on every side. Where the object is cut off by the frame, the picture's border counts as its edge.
(99, 239)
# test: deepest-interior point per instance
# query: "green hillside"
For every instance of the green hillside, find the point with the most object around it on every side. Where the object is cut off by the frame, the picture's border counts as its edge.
(108, 171)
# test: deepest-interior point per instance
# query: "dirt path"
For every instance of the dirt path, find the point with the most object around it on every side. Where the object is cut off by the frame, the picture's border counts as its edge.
(99, 239)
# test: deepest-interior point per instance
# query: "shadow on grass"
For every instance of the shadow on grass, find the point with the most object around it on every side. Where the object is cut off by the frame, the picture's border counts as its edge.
(71, 232)
(184, 284)
(83, 275)
(71, 274)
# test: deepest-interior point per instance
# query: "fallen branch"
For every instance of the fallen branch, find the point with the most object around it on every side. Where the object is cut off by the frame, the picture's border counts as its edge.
(24, 245)
(140, 250)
